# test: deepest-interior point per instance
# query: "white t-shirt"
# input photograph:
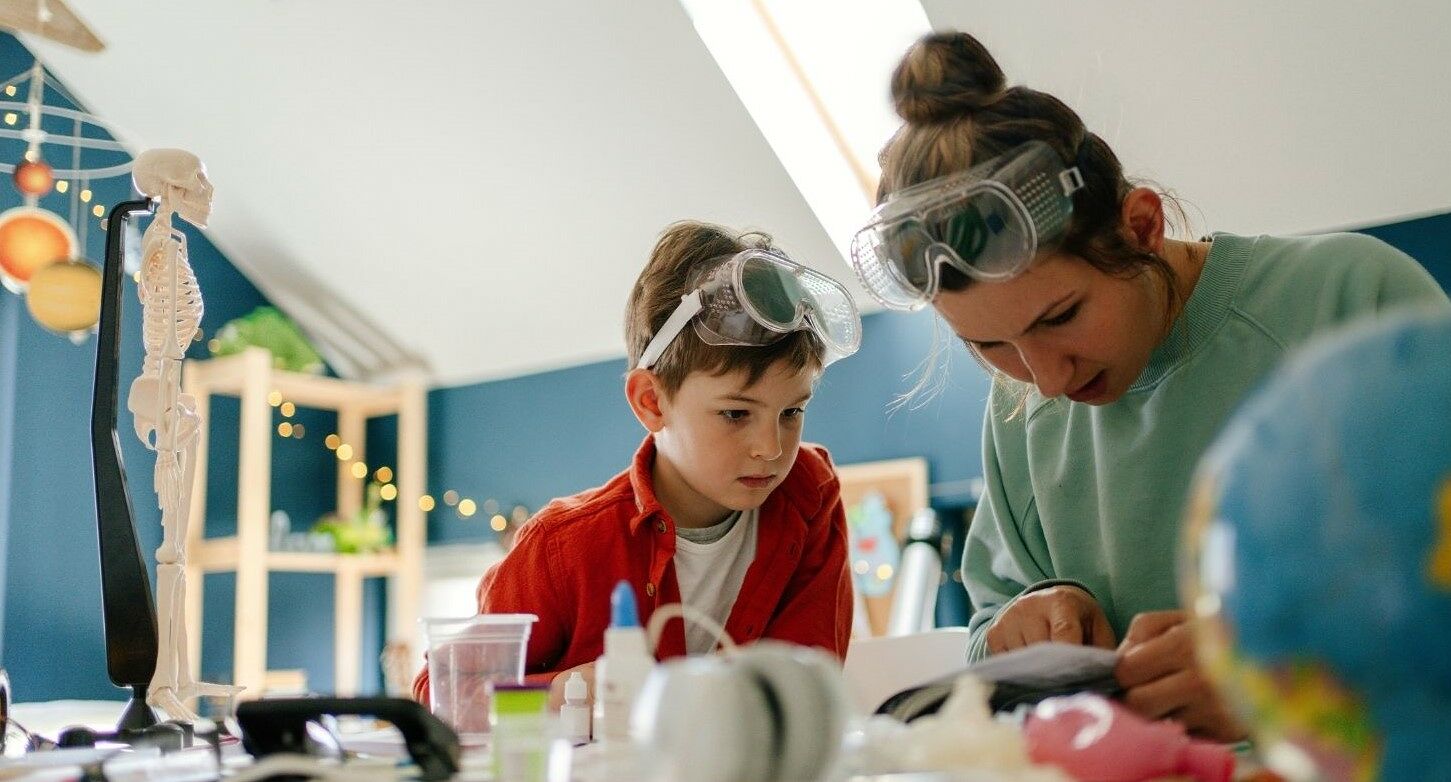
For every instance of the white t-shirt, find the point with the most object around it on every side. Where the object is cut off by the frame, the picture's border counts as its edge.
(710, 576)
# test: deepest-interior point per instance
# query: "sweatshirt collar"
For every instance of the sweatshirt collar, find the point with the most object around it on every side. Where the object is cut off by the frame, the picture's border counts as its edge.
(1205, 310)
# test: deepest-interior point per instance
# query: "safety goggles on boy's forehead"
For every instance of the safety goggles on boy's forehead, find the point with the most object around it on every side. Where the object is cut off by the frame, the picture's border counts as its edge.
(987, 222)
(757, 297)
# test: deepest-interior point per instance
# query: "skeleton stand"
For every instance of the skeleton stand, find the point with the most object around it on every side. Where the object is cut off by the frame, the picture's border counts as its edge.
(129, 610)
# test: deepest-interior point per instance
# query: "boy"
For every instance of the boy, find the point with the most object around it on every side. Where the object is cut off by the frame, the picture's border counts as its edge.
(722, 509)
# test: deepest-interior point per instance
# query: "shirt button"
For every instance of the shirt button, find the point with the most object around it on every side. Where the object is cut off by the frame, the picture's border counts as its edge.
(660, 526)
(650, 590)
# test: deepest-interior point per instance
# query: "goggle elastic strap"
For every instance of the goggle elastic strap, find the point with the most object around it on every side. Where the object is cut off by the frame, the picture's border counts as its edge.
(1071, 181)
(690, 306)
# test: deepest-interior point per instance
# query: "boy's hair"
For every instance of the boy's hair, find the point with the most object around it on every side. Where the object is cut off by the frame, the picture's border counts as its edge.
(684, 247)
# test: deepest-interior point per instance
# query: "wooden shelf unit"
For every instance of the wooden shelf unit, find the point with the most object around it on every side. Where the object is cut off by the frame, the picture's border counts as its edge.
(250, 377)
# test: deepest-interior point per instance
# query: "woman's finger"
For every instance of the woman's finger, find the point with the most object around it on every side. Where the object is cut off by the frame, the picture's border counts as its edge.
(1154, 659)
(1100, 632)
(997, 635)
(1151, 624)
(1162, 697)
(1065, 624)
(1019, 635)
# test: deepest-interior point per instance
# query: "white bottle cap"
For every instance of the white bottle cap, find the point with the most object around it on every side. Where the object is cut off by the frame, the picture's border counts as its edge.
(576, 690)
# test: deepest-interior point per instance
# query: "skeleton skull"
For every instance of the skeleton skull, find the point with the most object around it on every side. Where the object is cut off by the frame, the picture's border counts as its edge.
(177, 177)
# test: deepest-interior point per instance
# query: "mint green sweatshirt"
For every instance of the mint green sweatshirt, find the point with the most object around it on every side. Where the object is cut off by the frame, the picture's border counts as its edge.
(1093, 496)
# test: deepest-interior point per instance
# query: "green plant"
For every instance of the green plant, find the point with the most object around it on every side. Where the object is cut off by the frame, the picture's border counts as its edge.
(365, 531)
(266, 327)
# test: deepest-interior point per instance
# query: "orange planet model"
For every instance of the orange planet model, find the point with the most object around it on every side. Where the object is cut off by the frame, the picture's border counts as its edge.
(29, 239)
(34, 178)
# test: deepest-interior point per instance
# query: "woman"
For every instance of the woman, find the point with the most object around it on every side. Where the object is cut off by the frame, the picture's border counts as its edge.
(1118, 353)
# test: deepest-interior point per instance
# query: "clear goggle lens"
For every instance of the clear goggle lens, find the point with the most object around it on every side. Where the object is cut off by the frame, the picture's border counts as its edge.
(988, 222)
(756, 297)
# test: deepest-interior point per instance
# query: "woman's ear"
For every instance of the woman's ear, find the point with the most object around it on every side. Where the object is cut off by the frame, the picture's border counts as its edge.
(646, 395)
(1143, 219)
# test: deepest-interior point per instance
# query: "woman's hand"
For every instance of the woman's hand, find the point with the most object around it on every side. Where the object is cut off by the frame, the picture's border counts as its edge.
(556, 686)
(1063, 613)
(1162, 679)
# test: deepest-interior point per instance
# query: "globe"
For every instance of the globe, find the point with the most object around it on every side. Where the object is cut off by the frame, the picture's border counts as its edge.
(1318, 557)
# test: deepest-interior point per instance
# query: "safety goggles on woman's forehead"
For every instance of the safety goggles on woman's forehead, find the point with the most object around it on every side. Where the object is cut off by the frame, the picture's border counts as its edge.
(988, 222)
(757, 297)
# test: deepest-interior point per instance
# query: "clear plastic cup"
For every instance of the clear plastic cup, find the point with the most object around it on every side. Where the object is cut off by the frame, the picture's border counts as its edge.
(464, 657)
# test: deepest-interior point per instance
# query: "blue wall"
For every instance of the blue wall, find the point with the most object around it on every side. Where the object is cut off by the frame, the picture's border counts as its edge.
(1427, 239)
(528, 439)
(49, 575)
(520, 441)
(9, 324)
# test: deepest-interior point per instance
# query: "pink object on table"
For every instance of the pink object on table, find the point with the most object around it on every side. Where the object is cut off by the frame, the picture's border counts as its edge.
(1094, 739)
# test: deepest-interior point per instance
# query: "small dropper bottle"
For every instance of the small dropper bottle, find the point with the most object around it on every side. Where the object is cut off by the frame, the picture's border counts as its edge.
(574, 715)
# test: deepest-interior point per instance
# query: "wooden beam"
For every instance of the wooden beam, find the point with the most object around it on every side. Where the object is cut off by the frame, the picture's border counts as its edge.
(254, 502)
(347, 629)
(405, 589)
(353, 431)
(867, 182)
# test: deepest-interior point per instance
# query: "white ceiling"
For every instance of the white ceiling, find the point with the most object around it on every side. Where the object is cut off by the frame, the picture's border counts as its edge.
(1284, 116)
(482, 180)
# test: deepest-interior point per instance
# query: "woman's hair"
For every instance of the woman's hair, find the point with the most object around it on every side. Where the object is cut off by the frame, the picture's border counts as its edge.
(958, 111)
(683, 248)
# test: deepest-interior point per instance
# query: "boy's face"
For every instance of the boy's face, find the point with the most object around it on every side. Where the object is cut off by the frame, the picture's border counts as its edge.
(723, 445)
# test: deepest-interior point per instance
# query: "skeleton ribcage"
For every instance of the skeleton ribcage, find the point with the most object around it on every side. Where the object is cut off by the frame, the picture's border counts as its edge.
(163, 303)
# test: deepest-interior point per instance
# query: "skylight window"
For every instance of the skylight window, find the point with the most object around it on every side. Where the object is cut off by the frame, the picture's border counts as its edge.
(813, 74)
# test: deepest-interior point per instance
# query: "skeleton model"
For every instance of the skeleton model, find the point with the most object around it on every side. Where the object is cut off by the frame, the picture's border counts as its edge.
(165, 418)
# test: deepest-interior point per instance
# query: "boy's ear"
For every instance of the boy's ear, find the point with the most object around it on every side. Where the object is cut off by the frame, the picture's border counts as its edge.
(646, 395)
(1143, 219)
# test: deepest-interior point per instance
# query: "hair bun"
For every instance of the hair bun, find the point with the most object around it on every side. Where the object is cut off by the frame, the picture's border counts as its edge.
(943, 76)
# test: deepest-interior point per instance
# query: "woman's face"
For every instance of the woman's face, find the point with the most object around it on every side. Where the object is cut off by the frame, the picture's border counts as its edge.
(1063, 326)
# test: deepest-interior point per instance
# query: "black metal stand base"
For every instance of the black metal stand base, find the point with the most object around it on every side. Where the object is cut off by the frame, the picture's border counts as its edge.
(138, 714)
(138, 727)
(165, 736)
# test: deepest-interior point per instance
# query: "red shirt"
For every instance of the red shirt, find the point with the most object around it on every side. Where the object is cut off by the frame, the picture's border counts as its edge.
(567, 559)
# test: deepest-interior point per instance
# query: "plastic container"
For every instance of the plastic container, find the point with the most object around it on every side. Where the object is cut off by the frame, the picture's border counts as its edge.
(464, 657)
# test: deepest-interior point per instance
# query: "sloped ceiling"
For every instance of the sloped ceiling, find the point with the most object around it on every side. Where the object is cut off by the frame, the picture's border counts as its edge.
(1287, 116)
(479, 182)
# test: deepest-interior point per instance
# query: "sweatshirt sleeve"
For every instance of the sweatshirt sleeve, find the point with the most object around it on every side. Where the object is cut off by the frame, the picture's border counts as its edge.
(1000, 563)
(1383, 279)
